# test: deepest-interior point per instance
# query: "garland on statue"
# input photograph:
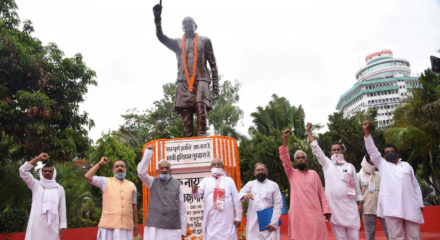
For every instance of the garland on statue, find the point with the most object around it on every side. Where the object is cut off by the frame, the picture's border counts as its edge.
(185, 65)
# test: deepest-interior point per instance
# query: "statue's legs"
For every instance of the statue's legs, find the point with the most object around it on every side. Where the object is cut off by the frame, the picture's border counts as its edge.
(201, 119)
(188, 125)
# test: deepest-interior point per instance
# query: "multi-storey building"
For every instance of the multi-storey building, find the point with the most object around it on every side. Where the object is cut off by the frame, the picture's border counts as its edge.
(383, 84)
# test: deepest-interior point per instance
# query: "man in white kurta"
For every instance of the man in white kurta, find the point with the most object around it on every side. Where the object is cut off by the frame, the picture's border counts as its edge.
(400, 198)
(342, 189)
(219, 223)
(153, 233)
(47, 219)
(262, 193)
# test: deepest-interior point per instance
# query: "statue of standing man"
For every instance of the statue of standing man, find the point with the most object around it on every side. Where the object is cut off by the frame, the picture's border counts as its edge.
(193, 79)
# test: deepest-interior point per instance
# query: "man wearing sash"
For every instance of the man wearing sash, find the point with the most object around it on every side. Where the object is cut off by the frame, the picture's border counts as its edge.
(221, 200)
(342, 189)
(166, 218)
(193, 52)
(262, 193)
(47, 219)
(119, 218)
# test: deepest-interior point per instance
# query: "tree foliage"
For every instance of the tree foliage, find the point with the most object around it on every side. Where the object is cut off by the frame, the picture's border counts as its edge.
(266, 137)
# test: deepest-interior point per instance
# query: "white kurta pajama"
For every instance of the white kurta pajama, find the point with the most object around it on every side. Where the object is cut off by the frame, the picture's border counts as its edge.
(37, 228)
(266, 194)
(219, 225)
(345, 219)
(400, 196)
(153, 233)
(113, 234)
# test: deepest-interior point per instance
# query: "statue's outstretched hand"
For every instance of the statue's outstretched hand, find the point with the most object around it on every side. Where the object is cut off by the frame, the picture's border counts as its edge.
(157, 11)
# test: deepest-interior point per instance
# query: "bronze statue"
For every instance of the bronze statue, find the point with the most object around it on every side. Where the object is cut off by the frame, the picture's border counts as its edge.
(193, 79)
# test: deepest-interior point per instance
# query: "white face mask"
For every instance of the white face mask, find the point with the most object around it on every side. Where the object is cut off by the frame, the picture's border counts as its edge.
(216, 172)
(338, 158)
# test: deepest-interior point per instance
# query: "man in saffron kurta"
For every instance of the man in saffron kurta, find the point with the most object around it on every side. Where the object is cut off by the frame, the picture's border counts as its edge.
(166, 219)
(262, 193)
(308, 203)
(47, 219)
(119, 218)
(341, 188)
(221, 201)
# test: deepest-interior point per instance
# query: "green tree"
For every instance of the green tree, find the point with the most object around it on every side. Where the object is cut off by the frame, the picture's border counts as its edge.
(266, 137)
(40, 92)
(416, 132)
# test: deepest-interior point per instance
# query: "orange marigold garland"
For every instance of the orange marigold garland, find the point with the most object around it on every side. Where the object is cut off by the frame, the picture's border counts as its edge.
(185, 65)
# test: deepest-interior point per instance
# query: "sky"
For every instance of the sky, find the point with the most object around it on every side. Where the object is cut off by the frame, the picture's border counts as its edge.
(305, 51)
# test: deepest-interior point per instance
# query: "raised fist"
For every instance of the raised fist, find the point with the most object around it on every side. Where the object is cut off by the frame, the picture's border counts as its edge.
(103, 161)
(286, 133)
(157, 11)
(43, 157)
(366, 125)
(309, 127)
(194, 188)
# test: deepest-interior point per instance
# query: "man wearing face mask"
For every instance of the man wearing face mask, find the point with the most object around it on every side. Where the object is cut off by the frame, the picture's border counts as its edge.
(221, 200)
(119, 218)
(262, 193)
(400, 198)
(342, 190)
(308, 203)
(193, 54)
(47, 219)
(166, 217)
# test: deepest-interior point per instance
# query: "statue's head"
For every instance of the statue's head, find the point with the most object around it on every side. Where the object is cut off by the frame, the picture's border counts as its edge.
(189, 26)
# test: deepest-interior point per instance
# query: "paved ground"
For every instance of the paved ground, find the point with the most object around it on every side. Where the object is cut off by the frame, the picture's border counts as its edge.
(381, 236)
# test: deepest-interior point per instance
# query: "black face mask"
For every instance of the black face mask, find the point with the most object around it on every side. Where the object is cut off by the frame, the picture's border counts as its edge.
(261, 177)
(390, 156)
(301, 166)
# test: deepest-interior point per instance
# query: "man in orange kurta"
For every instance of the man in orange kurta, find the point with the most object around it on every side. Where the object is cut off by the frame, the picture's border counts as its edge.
(308, 204)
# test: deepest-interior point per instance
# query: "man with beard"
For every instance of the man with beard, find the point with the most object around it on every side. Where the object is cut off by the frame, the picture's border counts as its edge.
(308, 203)
(119, 218)
(400, 198)
(166, 218)
(369, 180)
(47, 220)
(262, 193)
(220, 198)
(342, 190)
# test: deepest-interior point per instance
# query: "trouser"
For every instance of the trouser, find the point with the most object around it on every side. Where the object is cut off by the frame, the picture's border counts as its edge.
(398, 226)
(344, 233)
(188, 122)
(370, 226)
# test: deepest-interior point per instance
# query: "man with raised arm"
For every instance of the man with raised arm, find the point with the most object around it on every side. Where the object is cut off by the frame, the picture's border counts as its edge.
(308, 203)
(119, 218)
(342, 190)
(221, 201)
(262, 193)
(166, 218)
(193, 54)
(400, 198)
(47, 220)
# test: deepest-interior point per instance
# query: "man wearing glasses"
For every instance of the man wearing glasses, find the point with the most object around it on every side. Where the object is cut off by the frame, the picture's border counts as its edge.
(262, 194)
(342, 190)
(308, 203)
(220, 198)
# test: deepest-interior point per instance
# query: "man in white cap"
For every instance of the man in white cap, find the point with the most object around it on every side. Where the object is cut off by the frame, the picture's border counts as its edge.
(47, 220)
